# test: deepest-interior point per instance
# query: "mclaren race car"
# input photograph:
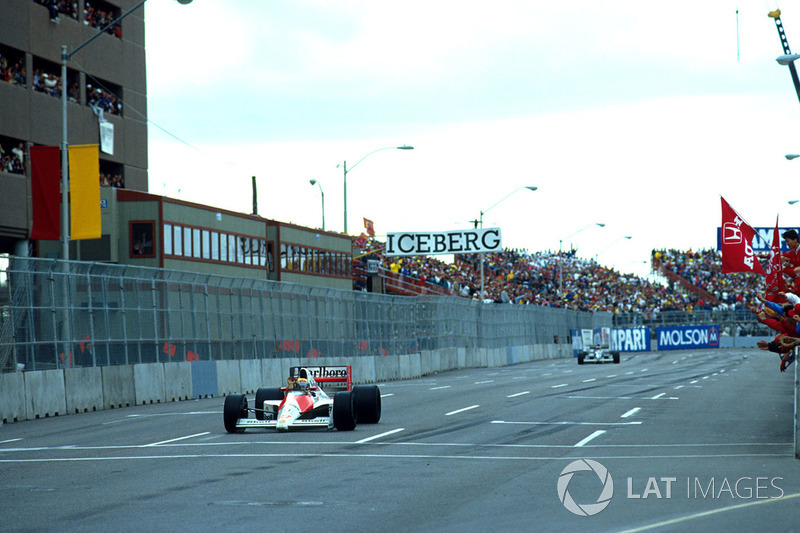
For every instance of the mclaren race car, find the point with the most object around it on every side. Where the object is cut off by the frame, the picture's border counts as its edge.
(598, 354)
(303, 403)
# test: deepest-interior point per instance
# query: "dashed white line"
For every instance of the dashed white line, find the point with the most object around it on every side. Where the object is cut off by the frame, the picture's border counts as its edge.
(589, 380)
(386, 434)
(175, 440)
(483, 382)
(559, 386)
(9, 440)
(439, 388)
(387, 395)
(657, 396)
(631, 412)
(461, 410)
(590, 437)
(518, 394)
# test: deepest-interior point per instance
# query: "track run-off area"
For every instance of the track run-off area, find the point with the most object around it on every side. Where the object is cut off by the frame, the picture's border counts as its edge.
(663, 441)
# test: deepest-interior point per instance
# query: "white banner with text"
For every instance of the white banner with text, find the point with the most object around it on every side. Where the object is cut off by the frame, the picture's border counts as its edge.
(444, 242)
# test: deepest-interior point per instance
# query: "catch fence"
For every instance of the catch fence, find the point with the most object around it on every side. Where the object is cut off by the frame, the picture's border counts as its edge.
(57, 314)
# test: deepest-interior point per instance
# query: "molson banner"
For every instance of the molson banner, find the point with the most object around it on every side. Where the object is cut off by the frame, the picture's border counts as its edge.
(685, 337)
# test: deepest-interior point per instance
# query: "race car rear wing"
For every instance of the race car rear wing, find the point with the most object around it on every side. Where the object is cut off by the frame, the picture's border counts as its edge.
(337, 377)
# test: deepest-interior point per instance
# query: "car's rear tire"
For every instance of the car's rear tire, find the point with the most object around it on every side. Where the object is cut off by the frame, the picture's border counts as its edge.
(616, 357)
(581, 357)
(368, 403)
(235, 408)
(262, 395)
(344, 411)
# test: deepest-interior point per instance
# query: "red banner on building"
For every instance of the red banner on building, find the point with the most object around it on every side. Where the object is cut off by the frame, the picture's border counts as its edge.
(46, 192)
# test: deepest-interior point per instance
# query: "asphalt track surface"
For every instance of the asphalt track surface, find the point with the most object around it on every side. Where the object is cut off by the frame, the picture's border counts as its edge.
(692, 440)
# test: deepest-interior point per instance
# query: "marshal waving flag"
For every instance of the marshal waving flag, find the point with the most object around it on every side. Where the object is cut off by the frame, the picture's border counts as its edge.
(737, 243)
(775, 282)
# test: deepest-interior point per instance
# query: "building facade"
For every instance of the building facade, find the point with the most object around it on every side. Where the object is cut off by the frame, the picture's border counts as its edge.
(105, 78)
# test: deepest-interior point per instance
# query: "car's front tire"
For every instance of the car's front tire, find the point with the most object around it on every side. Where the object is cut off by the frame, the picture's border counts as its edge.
(262, 395)
(368, 403)
(235, 407)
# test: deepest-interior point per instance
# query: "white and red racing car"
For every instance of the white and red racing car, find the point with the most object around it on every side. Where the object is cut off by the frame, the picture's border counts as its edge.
(303, 403)
(598, 354)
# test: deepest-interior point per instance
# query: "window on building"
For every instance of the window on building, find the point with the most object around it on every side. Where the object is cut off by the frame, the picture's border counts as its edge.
(142, 238)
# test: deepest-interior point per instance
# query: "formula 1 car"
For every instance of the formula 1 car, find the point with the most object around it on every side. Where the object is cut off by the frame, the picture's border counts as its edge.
(598, 354)
(303, 403)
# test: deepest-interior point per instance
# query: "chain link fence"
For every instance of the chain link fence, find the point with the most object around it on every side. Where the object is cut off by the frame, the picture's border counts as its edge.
(57, 314)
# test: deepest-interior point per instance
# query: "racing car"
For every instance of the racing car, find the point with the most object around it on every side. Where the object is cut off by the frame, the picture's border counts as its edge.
(598, 354)
(303, 403)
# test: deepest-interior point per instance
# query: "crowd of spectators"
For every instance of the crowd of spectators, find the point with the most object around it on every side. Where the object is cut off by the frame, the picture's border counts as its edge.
(47, 82)
(13, 160)
(566, 280)
(97, 17)
(111, 180)
(12, 71)
(99, 98)
(60, 7)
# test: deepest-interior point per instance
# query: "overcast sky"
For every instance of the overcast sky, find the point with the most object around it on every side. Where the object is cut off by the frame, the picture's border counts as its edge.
(638, 115)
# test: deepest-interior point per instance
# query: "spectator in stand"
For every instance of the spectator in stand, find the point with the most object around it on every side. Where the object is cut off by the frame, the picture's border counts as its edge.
(791, 258)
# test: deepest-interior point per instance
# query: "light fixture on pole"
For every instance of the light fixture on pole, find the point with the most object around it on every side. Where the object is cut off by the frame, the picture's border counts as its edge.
(615, 241)
(480, 221)
(560, 266)
(791, 156)
(313, 182)
(346, 170)
(66, 56)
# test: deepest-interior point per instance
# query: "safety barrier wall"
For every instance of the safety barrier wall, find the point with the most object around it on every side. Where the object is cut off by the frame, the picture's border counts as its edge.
(46, 393)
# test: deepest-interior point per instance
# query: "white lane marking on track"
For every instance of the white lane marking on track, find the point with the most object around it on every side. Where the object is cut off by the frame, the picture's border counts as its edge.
(9, 440)
(175, 440)
(483, 382)
(631, 412)
(387, 395)
(567, 423)
(461, 410)
(657, 396)
(439, 388)
(703, 514)
(518, 394)
(590, 437)
(611, 376)
(559, 386)
(386, 434)
(589, 380)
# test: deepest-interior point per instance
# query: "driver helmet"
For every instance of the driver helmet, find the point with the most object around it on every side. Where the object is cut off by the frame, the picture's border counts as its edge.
(301, 384)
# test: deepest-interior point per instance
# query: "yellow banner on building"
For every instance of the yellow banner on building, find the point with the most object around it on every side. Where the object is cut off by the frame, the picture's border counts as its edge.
(84, 189)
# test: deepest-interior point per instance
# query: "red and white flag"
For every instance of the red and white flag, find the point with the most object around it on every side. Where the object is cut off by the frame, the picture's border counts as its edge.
(775, 282)
(369, 226)
(737, 243)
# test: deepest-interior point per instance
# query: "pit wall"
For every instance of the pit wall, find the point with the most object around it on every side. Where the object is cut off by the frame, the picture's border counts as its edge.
(40, 394)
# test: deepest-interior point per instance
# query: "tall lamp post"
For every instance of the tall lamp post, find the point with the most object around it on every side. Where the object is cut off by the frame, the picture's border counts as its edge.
(346, 170)
(66, 56)
(560, 265)
(530, 188)
(615, 241)
(313, 182)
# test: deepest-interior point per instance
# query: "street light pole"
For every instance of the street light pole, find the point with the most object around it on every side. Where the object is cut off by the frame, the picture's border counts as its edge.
(65, 56)
(560, 266)
(530, 188)
(313, 182)
(346, 170)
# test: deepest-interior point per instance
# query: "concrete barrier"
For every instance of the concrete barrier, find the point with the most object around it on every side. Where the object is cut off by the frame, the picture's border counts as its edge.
(83, 389)
(118, 386)
(53, 392)
(204, 379)
(45, 394)
(148, 383)
(250, 375)
(177, 381)
(12, 397)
